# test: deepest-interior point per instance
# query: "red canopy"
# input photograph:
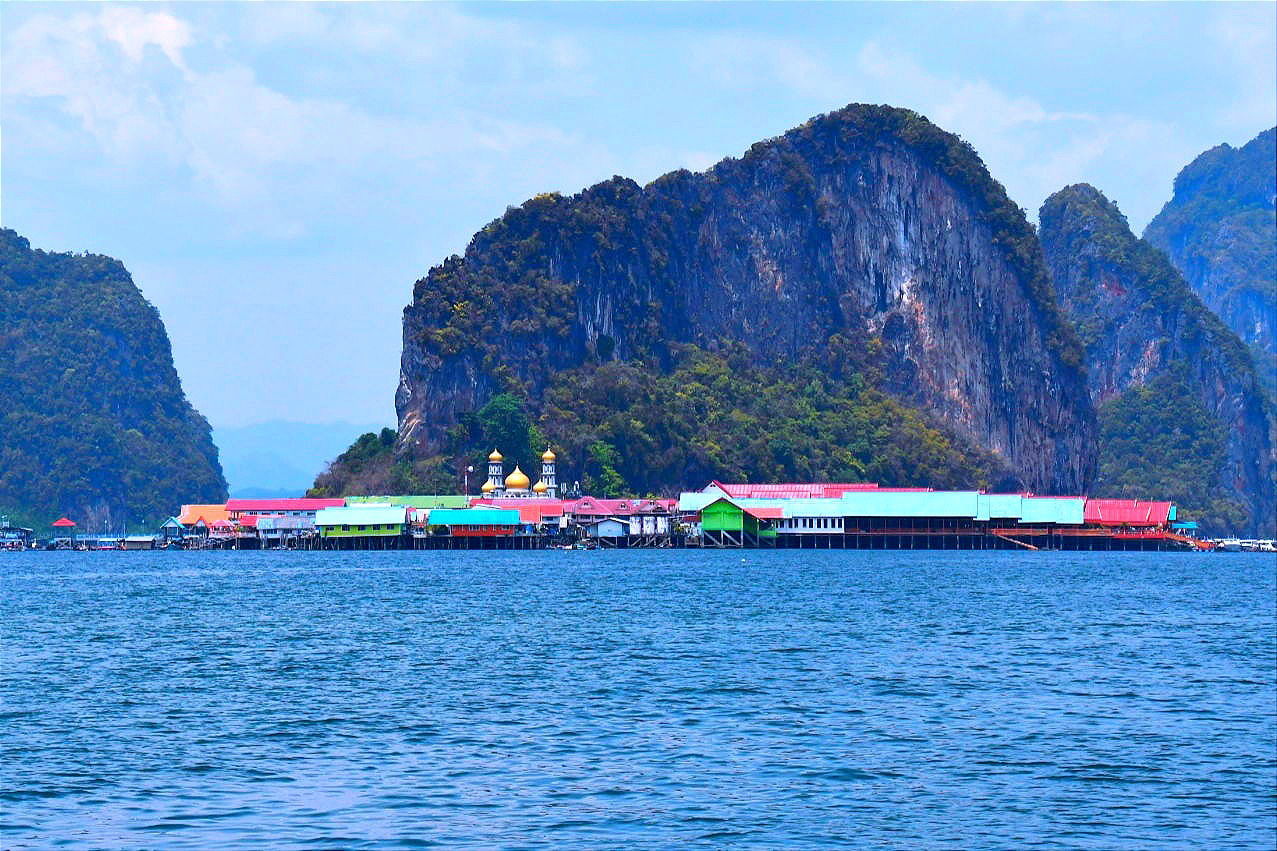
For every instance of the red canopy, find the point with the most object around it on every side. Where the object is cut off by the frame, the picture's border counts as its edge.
(64, 523)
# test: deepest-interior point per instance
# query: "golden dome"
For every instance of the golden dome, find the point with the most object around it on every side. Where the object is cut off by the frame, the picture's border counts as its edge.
(495, 456)
(548, 455)
(488, 487)
(540, 487)
(517, 481)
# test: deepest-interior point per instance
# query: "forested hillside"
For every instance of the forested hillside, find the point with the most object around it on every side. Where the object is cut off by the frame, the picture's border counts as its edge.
(1181, 412)
(1220, 230)
(855, 299)
(93, 420)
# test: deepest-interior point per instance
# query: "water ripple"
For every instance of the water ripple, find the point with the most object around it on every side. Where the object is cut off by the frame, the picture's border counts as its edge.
(647, 699)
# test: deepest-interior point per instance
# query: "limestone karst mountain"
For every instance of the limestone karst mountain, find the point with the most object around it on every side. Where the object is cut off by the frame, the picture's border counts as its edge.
(93, 420)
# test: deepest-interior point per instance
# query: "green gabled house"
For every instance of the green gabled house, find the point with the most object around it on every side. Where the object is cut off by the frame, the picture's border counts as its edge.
(362, 521)
(732, 521)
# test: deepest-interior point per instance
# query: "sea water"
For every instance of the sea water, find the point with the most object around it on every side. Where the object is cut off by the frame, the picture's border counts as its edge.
(639, 699)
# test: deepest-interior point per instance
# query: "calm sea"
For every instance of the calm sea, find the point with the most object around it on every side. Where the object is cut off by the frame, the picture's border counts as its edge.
(658, 699)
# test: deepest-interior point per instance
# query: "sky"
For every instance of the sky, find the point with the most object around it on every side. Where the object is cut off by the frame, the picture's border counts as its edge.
(276, 176)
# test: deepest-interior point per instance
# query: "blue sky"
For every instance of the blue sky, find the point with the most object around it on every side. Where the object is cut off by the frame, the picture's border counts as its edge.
(276, 176)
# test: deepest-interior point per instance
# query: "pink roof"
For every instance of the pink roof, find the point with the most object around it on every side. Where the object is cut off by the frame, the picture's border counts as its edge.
(792, 490)
(594, 507)
(64, 523)
(270, 506)
(1126, 512)
(805, 490)
(544, 507)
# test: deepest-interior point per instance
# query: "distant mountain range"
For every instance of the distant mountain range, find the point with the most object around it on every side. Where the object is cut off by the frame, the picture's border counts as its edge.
(280, 458)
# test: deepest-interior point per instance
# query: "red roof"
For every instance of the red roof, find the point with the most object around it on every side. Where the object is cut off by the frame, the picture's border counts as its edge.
(272, 506)
(1126, 512)
(64, 523)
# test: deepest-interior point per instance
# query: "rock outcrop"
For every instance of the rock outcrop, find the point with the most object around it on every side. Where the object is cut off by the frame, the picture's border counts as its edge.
(867, 225)
(1220, 230)
(1181, 412)
(93, 420)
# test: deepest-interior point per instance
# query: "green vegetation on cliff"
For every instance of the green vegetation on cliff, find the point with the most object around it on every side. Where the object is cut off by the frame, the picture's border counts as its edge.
(1220, 231)
(93, 420)
(1159, 439)
(1182, 415)
(869, 231)
(625, 428)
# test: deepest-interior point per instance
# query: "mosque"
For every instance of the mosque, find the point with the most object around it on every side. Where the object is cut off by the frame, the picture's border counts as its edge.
(517, 484)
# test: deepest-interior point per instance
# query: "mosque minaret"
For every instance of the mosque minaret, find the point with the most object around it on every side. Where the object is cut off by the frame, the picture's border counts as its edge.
(517, 484)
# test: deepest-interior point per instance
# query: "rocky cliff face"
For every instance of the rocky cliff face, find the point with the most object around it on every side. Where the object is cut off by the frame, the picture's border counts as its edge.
(1181, 411)
(1220, 231)
(867, 225)
(93, 420)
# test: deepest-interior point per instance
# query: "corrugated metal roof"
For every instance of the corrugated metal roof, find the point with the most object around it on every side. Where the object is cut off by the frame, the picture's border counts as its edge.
(418, 501)
(594, 506)
(361, 515)
(1001, 506)
(266, 506)
(791, 490)
(1127, 512)
(547, 507)
(210, 513)
(473, 517)
(901, 503)
(268, 524)
(1061, 510)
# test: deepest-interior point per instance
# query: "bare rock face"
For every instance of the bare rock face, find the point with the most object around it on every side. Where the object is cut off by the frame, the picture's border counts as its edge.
(1220, 231)
(1180, 406)
(869, 223)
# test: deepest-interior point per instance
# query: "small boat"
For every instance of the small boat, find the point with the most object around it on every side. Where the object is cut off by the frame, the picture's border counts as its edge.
(1230, 545)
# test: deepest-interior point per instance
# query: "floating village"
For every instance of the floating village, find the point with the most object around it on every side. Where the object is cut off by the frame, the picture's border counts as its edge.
(511, 512)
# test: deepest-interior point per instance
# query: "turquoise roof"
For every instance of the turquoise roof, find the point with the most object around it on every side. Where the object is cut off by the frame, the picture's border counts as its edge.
(474, 517)
(1061, 510)
(885, 503)
(999, 506)
(361, 515)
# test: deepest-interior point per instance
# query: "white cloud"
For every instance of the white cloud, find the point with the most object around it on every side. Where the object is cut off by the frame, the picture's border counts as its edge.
(1032, 149)
(134, 31)
(747, 60)
(1247, 44)
(270, 157)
